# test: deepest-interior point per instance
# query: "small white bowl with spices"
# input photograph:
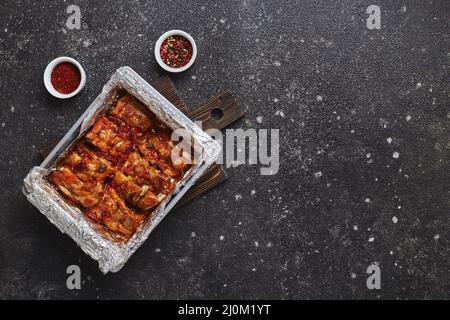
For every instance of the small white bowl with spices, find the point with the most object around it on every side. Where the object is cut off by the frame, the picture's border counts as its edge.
(64, 77)
(175, 51)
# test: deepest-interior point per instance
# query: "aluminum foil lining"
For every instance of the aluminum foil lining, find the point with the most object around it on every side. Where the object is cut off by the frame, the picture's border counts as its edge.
(112, 255)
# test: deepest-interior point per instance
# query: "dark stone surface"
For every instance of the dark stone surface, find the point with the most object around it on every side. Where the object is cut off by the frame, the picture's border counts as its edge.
(307, 232)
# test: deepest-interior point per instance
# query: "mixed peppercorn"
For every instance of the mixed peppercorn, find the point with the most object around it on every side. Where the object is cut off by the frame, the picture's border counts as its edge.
(176, 51)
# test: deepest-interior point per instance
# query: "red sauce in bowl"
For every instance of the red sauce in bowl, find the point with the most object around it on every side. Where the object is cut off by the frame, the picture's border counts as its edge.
(65, 77)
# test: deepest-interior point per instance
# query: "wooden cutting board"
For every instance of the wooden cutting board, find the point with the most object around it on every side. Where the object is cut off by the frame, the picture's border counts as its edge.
(218, 112)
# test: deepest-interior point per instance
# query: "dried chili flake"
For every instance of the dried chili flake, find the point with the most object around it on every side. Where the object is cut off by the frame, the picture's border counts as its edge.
(65, 77)
(176, 51)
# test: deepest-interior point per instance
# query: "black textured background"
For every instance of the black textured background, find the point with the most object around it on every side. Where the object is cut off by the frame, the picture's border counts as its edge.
(307, 232)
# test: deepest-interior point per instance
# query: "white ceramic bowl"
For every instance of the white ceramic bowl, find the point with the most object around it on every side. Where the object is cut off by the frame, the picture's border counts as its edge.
(48, 75)
(163, 37)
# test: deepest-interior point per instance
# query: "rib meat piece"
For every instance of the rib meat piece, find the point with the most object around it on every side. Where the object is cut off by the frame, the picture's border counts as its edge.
(140, 196)
(131, 111)
(157, 148)
(87, 165)
(86, 194)
(145, 174)
(113, 138)
(112, 212)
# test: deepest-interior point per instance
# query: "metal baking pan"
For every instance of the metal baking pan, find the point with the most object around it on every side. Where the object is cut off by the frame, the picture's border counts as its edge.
(112, 255)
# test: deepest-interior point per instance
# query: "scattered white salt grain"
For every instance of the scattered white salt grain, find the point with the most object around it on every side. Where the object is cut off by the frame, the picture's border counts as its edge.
(403, 9)
(318, 174)
(368, 155)
(193, 234)
(87, 43)
(395, 155)
(408, 117)
(367, 200)
(319, 98)
(436, 236)
(389, 140)
(3, 124)
(394, 219)
(12, 109)
(157, 250)
(280, 113)
(221, 238)
(256, 244)
(194, 77)
(223, 20)
(259, 119)
(371, 239)
(238, 197)
(253, 192)
(399, 207)
(254, 269)
(418, 85)
(391, 252)
(277, 63)
(353, 275)
(275, 100)
(355, 228)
